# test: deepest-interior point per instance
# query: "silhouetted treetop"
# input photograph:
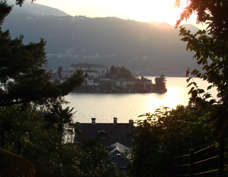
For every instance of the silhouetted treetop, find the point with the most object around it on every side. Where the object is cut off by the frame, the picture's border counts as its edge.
(211, 12)
(23, 77)
(119, 72)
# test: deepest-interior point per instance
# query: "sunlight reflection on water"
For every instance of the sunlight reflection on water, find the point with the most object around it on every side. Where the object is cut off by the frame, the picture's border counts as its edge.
(127, 106)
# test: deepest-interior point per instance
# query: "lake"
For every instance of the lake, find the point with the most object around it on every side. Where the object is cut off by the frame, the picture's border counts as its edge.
(128, 106)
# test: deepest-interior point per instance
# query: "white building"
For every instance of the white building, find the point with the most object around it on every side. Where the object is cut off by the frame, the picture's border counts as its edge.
(124, 83)
(93, 70)
(92, 81)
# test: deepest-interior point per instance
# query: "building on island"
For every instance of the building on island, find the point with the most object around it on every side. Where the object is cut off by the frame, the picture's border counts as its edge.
(100, 79)
(93, 70)
(144, 85)
(126, 83)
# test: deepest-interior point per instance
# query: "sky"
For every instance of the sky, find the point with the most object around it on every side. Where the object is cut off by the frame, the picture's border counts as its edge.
(162, 11)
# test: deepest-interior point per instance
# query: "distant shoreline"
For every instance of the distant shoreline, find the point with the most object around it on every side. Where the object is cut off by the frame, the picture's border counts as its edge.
(119, 92)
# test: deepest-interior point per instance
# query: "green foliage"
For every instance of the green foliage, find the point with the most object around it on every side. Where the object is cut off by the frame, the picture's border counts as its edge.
(22, 71)
(119, 73)
(23, 76)
(211, 53)
(31, 114)
(211, 12)
(14, 125)
(59, 116)
(59, 71)
(164, 134)
(96, 161)
(5, 10)
(160, 83)
(25, 130)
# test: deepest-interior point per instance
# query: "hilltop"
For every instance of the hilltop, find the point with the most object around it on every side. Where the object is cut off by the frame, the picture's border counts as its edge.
(144, 48)
(35, 9)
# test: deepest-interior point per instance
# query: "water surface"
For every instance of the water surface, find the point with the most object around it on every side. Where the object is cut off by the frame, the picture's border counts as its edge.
(129, 106)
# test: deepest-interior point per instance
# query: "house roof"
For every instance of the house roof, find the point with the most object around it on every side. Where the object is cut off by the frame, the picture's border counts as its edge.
(118, 146)
(108, 133)
(120, 155)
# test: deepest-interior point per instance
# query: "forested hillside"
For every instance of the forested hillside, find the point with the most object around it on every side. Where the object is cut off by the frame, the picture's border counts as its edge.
(142, 47)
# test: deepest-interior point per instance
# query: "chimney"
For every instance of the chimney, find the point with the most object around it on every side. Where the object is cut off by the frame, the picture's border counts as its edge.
(115, 120)
(131, 122)
(93, 120)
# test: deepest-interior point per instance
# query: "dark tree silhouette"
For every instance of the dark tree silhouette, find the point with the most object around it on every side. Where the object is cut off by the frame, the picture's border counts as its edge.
(23, 76)
(211, 53)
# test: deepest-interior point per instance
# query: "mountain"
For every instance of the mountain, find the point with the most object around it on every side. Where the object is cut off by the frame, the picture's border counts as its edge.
(190, 27)
(143, 48)
(35, 9)
(161, 25)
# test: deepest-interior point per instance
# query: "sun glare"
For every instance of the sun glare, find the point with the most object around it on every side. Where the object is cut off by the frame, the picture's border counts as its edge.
(162, 11)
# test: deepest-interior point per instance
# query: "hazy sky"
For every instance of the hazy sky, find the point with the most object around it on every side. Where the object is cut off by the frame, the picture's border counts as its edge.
(140, 10)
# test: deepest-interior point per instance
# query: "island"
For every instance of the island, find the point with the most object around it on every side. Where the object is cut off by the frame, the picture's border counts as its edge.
(101, 79)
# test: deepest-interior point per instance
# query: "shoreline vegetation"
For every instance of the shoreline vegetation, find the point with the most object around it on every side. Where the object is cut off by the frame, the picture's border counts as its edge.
(101, 79)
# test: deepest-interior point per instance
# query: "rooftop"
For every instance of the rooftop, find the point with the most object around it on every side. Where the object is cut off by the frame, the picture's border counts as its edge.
(107, 133)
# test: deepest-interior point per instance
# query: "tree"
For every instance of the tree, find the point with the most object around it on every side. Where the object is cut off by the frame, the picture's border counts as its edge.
(211, 12)
(160, 83)
(32, 116)
(28, 132)
(24, 86)
(96, 161)
(25, 132)
(119, 72)
(59, 71)
(165, 133)
(211, 53)
(22, 73)
(162, 135)
(59, 116)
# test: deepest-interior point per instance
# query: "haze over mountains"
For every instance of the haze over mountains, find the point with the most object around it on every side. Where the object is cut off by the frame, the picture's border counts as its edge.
(35, 9)
(144, 48)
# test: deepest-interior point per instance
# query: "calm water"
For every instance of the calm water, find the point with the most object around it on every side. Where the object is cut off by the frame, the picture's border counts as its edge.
(129, 106)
